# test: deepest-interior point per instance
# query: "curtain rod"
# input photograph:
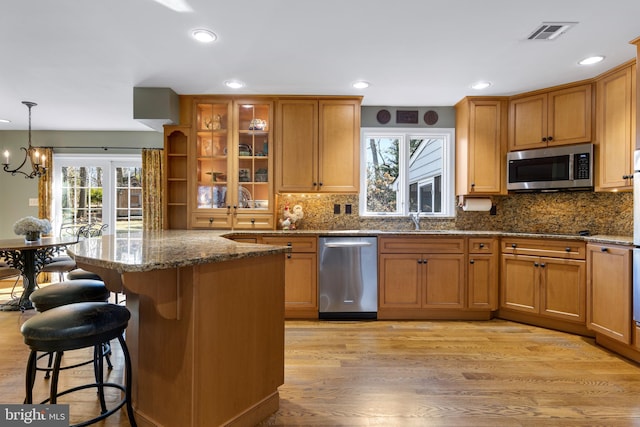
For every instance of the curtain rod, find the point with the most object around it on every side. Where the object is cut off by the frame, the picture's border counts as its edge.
(93, 147)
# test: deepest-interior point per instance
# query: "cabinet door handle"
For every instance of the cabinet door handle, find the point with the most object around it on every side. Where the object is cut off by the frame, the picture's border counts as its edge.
(535, 264)
(288, 256)
(627, 176)
(320, 184)
(544, 139)
(471, 261)
(604, 249)
(289, 244)
(419, 261)
(315, 184)
(210, 221)
(253, 221)
(549, 138)
(473, 184)
(542, 264)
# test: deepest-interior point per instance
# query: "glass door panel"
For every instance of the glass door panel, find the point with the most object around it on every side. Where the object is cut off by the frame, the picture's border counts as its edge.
(253, 156)
(212, 153)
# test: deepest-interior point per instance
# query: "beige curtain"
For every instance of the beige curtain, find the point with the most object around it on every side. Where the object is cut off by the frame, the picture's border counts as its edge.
(44, 185)
(152, 189)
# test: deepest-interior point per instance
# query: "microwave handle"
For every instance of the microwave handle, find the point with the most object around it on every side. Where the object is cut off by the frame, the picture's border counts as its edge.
(571, 158)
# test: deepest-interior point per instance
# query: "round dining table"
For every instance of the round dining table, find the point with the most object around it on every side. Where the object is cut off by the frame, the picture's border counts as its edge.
(29, 258)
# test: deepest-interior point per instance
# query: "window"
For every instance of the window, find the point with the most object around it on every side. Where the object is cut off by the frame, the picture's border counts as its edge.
(407, 171)
(95, 189)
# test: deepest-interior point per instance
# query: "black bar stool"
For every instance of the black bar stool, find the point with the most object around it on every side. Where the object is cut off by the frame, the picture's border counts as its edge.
(69, 292)
(75, 326)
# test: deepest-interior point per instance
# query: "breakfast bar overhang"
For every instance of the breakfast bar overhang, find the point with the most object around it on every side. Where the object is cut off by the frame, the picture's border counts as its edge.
(206, 334)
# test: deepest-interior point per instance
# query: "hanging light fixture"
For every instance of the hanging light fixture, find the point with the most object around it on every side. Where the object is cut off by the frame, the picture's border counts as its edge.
(30, 153)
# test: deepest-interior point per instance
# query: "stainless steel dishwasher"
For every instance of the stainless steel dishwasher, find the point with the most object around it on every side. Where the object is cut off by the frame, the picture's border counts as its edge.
(348, 277)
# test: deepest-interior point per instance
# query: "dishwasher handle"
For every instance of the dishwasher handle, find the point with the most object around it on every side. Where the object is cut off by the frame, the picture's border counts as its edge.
(346, 244)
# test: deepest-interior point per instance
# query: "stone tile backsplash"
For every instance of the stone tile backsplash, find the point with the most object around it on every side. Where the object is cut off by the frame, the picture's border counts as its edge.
(551, 213)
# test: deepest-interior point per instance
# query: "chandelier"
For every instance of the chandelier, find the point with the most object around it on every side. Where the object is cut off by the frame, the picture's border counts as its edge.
(35, 158)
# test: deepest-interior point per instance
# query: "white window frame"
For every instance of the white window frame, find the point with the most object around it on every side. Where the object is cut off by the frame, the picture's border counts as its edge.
(404, 136)
(108, 166)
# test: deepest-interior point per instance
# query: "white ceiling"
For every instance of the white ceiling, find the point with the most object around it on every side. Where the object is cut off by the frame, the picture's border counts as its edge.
(80, 59)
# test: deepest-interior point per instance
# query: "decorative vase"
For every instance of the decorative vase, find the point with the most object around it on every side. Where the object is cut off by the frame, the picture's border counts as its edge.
(32, 236)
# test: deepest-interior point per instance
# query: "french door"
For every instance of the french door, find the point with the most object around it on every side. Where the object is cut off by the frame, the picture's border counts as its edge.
(97, 189)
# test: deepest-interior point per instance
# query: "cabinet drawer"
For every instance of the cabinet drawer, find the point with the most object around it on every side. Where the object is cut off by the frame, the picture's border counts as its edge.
(254, 222)
(297, 244)
(208, 220)
(421, 244)
(568, 249)
(482, 245)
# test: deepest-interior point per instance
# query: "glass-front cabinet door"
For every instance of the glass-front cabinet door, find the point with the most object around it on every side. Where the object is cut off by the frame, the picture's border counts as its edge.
(233, 165)
(253, 166)
(213, 150)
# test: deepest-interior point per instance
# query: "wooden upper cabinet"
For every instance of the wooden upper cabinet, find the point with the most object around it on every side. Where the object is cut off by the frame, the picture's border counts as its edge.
(554, 117)
(318, 145)
(616, 128)
(481, 143)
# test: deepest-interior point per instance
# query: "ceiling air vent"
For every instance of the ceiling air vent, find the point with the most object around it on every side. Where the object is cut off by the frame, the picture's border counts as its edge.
(550, 30)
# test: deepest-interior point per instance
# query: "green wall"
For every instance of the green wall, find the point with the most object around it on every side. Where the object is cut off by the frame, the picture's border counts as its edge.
(15, 191)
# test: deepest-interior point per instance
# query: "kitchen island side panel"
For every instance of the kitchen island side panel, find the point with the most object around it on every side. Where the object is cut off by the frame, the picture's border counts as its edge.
(221, 360)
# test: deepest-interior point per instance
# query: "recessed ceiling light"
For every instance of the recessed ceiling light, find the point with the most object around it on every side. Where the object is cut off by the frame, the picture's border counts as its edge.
(5, 121)
(234, 84)
(591, 60)
(480, 85)
(361, 84)
(204, 36)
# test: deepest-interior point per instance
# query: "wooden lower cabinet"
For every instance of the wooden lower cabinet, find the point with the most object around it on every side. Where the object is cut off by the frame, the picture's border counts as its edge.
(545, 290)
(422, 277)
(609, 291)
(301, 276)
(482, 274)
(422, 281)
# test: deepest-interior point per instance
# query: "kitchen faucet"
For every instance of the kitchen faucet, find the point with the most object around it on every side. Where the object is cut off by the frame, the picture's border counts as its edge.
(416, 220)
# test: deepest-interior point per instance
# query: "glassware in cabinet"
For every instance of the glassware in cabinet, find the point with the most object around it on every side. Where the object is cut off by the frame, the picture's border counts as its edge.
(254, 138)
(212, 154)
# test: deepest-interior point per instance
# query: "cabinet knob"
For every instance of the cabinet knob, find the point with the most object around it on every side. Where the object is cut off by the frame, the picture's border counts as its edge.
(604, 249)
(288, 256)
(471, 261)
(544, 139)
(320, 184)
(535, 264)
(549, 138)
(289, 244)
(253, 221)
(210, 220)
(627, 176)
(567, 249)
(542, 264)
(481, 245)
(513, 245)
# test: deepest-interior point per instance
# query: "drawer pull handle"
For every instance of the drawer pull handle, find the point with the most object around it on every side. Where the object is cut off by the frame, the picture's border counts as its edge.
(289, 244)
(604, 249)
(513, 245)
(472, 262)
(567, 249)
(481, 245)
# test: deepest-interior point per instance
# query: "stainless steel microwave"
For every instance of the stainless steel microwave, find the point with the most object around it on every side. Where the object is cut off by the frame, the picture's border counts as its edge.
(566, 167)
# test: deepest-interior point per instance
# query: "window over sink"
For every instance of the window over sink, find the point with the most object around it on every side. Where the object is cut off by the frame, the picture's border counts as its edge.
(407, 171)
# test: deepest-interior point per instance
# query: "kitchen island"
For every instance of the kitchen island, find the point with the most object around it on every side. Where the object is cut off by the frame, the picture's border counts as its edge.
(206, 334)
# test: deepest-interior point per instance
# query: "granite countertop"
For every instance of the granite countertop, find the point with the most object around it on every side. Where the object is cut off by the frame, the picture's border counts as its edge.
(604, 239)
(155, 250)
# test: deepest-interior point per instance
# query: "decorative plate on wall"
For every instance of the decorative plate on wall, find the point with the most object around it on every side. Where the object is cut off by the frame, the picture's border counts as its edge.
(431, 117)
(383, 117)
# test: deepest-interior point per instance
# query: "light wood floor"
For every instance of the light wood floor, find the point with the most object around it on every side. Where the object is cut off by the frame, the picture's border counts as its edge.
(423, 373)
